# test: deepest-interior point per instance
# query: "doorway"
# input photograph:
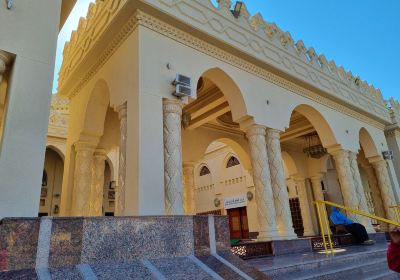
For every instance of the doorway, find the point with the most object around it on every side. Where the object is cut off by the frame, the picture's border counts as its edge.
(238, 223)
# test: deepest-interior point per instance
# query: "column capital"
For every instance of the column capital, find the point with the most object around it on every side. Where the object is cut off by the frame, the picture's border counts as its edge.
(273, 133)
(339, 153)
(189, 164)
(255, 129)
(297, 178)
(4, 61)
(317, 176)
(84, 146)
(122, 110)
(100, 153)
(378, 162)
(353, 155)
(173, 106)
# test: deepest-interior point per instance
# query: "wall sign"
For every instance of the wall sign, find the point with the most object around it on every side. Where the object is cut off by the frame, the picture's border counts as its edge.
(235, 201)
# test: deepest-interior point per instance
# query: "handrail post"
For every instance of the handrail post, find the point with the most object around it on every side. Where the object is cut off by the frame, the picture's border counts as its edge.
(325, 214)
(321, 225)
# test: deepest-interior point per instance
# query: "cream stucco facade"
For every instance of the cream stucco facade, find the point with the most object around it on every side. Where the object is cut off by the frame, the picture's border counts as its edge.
(300, 127)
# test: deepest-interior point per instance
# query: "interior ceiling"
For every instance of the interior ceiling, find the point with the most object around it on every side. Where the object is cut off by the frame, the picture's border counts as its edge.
(211, 109)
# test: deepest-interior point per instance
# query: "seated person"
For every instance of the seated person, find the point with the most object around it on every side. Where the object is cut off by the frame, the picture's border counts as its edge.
(393, 252)
(357, 230)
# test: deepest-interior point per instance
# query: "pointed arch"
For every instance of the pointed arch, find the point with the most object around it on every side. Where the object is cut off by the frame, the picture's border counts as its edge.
(96, 109)
(367, 143)
(320, 124)
(231, 91)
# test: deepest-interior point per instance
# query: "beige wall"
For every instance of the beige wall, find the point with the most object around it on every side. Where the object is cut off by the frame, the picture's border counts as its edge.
(29, 31)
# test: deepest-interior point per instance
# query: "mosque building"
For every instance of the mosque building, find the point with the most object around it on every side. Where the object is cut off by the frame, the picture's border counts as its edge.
(181, 107)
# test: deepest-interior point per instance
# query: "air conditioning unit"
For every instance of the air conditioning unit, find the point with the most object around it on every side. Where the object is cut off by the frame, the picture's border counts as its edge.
(183, 86)
(388, 155)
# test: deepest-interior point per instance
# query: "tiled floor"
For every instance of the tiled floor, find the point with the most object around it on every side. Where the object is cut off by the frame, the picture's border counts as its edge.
(295, 259)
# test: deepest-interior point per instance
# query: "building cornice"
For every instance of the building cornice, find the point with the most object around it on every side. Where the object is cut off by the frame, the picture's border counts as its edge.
(380, 113)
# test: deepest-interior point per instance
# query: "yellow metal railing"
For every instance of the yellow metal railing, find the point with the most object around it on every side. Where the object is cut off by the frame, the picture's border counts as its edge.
(324, 221)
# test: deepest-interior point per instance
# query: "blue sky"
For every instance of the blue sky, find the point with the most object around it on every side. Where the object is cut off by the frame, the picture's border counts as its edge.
(361, 35)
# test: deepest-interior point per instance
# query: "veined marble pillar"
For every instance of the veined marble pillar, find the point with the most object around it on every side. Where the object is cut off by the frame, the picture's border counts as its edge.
(120, 189)
(96, 193)
(362, 200)
(318, 194)
(188, 191)
(82, 179)
(347, 186)
(305, 206)
(376, 194)
(172, 113)
(385, 187)
(262, 183)
(279, 188)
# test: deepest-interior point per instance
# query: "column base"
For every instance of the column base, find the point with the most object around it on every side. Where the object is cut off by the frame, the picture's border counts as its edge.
(268, 236)
(309, 233)
(288, 236)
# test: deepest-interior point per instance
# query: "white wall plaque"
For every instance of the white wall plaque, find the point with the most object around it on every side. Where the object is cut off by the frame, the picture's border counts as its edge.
(235, 201)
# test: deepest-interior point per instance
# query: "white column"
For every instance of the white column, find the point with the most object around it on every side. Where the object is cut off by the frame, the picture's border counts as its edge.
(385, 187)
(305, 206)
(362, 200)
(262, 183)
(120, 190)
(347, 186)
(376, 194)
(172, 113)
(188, 191)
(96, 193)
(82, 179)
(318, 194)
(279, 188)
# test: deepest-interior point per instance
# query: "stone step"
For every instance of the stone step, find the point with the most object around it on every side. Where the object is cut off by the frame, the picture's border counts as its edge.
(355, 272)
(307, 268)
(385, 276)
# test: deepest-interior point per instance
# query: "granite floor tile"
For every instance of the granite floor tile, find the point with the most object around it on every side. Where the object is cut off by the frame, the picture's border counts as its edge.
(243, 266)
(126, 271)
(70, 273)
(180, 269)
(218, 267)
(24, 274)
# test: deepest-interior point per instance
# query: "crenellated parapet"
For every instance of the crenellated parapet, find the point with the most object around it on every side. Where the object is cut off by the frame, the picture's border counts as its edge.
(99, 15)
(252, 35)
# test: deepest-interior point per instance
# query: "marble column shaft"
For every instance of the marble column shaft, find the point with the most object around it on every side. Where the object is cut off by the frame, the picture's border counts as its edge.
(349, 192)
(188, 192)
(172, 113)
(279, 188)
(305, 206)
(97, 189)
(376, 194)
(120, 189)
(82, 179)
(262, 183)
(385, 187)
(362, 200)
(318, 194)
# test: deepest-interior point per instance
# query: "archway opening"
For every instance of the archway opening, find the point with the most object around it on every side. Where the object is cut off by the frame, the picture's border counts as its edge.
(50, 194)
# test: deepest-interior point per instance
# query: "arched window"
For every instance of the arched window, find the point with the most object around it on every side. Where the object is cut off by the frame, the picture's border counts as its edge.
(232, 162)
(204, 171)
(44, 178)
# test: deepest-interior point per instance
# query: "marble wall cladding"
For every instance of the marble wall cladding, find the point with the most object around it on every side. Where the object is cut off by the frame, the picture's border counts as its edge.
(132, 238)
(23, 274)
(66, 242)
(222, 233)
(18, 243)
(282, 247)
(201, 235)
